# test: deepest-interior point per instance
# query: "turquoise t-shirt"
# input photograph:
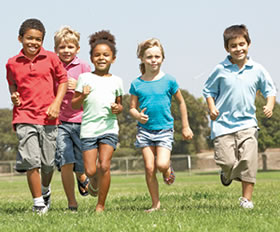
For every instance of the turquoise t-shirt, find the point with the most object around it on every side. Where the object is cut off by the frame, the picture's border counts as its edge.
(234, 91)
(156, 97)
(98, 118)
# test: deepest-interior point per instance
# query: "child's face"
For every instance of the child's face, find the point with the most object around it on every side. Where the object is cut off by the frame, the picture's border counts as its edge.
(238, 50)
(152, 59)
(32, 41)
(102, 57)
(67, 51)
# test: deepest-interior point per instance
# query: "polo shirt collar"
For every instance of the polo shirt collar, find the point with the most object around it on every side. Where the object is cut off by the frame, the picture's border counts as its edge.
(42, 52)
(227, 62)
(74, 62)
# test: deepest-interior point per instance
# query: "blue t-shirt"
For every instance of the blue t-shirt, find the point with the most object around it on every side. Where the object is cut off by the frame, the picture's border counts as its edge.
(234, 91)
(156, 97)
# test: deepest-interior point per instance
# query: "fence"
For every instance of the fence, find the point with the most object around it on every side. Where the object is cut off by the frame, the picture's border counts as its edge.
(201, 162)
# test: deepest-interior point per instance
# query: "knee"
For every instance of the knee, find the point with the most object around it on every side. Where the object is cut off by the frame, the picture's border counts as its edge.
(150, 170)
(104, 167)
(162, 167)
(90, 171)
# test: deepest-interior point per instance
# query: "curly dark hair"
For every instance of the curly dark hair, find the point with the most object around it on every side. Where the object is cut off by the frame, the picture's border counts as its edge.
(102, 37)
(32, 24)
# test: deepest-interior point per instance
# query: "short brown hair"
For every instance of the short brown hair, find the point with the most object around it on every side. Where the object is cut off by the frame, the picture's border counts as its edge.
(235, 31)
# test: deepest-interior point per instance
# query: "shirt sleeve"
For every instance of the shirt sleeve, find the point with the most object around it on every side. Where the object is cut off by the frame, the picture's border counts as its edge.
(132, 89)
(174, 86)
(60, 71)
(120, 90)
(211, 86)
(79, 86)
(9, 76)
(267, 86)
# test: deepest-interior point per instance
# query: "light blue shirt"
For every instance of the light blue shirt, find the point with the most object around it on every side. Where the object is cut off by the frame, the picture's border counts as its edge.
(234, 91)
(156, 97)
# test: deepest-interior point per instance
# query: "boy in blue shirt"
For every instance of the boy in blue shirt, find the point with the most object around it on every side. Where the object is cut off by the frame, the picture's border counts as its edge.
(230, 93)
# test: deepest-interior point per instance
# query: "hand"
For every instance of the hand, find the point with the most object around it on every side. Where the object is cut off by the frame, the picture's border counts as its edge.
(143, 118)
(214, 113)
(72, 83)
(86, 90)
(15, 99)
(187, 133)
(53, 111)
(267, 111)
(115, 108)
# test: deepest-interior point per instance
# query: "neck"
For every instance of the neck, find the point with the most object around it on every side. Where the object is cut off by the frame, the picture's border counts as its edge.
(102, 74)
(151, 76)
(240, 63)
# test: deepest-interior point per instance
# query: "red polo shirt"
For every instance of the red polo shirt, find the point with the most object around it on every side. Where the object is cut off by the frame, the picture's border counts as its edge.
(36, 82)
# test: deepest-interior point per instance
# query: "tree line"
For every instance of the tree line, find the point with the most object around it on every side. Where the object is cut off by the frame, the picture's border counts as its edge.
(269, 134)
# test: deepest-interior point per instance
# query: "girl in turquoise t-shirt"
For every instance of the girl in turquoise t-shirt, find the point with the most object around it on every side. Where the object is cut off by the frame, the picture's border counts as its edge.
(152, 93)
(100, 93)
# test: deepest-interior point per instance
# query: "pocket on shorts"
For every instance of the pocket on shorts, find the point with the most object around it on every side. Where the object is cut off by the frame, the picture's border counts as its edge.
(21, 131)
(51, 132)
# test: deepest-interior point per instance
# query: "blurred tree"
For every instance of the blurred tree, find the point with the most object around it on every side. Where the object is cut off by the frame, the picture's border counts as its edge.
(8, 139)
(269, 134)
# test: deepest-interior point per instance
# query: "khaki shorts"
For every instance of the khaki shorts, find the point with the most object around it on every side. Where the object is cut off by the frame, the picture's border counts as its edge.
(36, 149)
(237, 154)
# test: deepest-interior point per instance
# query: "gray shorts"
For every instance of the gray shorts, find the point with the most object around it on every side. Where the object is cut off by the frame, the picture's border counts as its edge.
(36, 149)
(155, 138)
(237, 154)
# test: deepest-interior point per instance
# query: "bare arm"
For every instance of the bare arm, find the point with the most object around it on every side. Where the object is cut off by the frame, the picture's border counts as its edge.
(268, 108)
(15, 96)
(186, 130)
(117, 106)
(79, 98)
(54, 108)
(213, 111)
(139, 116)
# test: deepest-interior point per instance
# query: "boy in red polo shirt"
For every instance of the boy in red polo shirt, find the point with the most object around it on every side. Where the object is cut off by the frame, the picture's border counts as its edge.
(32, 76)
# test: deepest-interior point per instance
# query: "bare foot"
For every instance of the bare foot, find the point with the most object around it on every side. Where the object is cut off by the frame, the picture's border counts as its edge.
(153, 208)
(99, 209)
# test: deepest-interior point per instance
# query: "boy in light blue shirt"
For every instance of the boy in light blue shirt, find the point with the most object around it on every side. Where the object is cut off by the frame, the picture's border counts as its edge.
(230, 92)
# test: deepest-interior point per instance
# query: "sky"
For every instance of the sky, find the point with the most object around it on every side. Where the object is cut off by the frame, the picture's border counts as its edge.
(190, 32)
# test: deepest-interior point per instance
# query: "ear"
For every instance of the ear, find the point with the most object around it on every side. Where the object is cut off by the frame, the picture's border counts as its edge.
(20, 38)
(114, 58)
(78, 50)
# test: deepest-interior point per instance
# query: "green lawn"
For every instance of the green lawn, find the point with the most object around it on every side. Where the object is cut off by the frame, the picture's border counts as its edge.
(196, 202)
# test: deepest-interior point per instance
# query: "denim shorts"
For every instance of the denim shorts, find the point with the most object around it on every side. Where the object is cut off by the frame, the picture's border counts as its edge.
(155, 138)
(36, 149)
(93, 143)
(69, 145)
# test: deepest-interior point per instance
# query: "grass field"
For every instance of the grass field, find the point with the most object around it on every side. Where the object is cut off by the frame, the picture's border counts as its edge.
(196, 202)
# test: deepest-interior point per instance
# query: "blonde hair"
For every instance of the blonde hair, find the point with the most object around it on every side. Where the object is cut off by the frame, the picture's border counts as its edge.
(66, 34)
(143, 46)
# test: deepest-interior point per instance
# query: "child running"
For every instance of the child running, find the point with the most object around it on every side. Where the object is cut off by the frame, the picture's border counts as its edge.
(100, 93)
(69, 152)
(230, 92)
(152, 93)
(32, 76)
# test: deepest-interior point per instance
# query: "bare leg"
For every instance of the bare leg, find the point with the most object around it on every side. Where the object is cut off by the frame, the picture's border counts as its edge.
(90, 158)
(104, 176)
(151, 179)
(247, 190)
(34, 182)
(46, 178)
(68, 182)
(163, 161)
